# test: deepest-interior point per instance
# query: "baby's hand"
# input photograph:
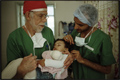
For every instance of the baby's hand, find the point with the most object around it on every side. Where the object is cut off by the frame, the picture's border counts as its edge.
(41, 62)
(66, 52)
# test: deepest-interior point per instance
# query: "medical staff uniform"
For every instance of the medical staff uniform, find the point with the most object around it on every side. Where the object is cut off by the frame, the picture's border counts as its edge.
(102, 54)
(19, 44)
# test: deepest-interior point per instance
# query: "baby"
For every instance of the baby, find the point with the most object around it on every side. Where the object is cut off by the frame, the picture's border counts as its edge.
(57, 70)
(57, 57)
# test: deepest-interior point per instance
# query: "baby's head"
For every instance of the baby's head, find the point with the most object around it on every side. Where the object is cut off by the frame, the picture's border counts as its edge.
(61, 45)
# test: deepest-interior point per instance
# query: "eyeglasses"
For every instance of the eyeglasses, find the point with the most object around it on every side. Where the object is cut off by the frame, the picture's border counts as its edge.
(41, 16)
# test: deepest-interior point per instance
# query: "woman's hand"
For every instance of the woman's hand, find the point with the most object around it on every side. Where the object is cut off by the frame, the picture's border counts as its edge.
(77, 56)
(28, 64)
(69, 39)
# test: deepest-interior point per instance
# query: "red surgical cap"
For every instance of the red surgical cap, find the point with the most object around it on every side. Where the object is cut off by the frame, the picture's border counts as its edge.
(31, 5)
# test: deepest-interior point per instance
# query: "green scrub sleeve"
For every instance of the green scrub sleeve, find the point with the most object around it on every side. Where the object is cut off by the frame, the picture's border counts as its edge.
(13, 51)
(107, 57)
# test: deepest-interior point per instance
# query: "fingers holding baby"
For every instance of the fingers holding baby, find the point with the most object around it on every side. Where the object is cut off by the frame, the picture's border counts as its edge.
(41, 62)
(68, 61)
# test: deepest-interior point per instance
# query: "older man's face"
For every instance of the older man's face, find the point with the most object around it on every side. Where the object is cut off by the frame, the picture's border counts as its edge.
(38, 20)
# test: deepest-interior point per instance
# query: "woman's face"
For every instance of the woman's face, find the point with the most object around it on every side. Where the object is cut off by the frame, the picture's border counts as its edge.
(59, 45)
(79, 26)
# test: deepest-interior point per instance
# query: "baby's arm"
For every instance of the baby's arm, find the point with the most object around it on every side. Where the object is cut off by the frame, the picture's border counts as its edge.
(46, 55)
(55, 63)
(49, 62)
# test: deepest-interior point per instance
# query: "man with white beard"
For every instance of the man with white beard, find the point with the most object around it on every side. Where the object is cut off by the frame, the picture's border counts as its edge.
(31, 40)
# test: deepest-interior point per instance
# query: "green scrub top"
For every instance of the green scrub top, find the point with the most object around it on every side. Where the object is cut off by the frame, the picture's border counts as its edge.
(102, 54)
(19, 44)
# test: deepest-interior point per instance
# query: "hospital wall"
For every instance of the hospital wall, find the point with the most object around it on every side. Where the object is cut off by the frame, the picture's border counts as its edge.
(8, 24)
(63, 12)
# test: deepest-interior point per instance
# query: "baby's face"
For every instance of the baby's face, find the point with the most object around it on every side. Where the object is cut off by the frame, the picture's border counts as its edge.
(60, 46)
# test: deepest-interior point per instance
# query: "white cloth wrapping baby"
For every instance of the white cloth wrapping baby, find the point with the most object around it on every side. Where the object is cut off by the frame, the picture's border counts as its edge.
(11, 69)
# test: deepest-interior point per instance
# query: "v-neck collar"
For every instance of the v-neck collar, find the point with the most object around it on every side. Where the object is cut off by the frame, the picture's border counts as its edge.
(25, 34)
(94, 34)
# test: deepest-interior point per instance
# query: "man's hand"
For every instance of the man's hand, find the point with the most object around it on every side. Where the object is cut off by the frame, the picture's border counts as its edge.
(68, 61)
(41, 62)
(93, 65)
(69, 39)
(77, 56)
(28, 64)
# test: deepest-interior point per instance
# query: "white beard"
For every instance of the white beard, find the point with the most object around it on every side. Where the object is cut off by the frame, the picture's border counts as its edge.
(37, 28)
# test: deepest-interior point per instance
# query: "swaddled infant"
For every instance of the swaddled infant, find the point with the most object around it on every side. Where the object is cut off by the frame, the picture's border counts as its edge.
(54, 61)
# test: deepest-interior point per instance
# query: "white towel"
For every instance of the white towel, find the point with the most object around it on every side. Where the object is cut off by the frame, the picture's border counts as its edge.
(11, 69)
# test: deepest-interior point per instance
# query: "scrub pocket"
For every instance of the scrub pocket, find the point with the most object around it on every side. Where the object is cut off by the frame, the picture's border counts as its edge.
(43, 75)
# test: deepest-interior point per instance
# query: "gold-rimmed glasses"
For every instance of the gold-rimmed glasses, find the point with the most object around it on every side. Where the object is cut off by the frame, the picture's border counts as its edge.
(41, 15)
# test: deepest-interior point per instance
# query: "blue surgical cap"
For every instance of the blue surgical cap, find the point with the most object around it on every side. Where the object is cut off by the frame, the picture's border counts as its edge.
(87, 14)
